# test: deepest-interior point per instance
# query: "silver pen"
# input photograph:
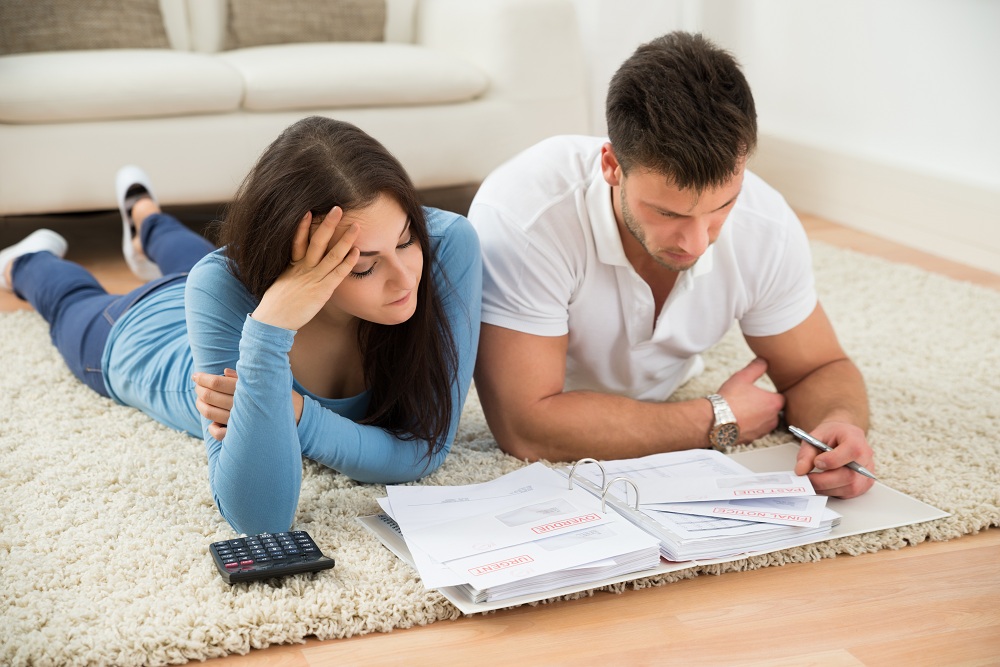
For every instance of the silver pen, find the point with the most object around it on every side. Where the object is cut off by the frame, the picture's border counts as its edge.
(819, 444)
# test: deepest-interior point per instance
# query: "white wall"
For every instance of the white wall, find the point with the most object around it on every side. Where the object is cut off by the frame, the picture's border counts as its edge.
(878, 114)
(611, 31)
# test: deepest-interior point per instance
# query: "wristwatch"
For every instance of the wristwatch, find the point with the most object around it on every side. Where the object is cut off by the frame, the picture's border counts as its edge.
(725, 431)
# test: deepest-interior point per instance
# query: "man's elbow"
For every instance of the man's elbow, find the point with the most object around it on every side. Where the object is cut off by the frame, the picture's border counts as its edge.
(527, 444)
(521, 448)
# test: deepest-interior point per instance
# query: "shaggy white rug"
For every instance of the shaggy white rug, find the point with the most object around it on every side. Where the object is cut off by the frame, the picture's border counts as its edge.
(107, 516)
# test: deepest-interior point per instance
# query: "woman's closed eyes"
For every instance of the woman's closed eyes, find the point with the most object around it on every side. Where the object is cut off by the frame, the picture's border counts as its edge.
(402, 246)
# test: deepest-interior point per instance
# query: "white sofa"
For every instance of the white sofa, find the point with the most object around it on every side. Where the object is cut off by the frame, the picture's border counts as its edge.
(454, 88)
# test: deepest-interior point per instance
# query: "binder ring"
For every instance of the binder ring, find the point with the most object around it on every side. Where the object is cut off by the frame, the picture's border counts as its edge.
(604, 475)
(608, 488)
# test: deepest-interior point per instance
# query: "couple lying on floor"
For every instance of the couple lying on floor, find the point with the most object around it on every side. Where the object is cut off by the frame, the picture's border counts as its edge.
(341, 321)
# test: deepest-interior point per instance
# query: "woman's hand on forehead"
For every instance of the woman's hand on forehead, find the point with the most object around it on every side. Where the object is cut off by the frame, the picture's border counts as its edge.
(319, 263)
(336, 216)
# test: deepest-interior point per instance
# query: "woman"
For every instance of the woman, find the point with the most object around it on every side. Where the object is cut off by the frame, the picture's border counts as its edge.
(350, 314)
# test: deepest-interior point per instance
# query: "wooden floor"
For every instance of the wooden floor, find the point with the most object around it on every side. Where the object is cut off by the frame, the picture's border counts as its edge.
(928, 604)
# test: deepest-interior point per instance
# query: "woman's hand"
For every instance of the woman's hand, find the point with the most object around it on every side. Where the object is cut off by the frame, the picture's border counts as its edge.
(215, 400)
(316, 270)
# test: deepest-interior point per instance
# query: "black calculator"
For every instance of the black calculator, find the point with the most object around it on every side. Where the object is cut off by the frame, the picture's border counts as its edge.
(268, 555)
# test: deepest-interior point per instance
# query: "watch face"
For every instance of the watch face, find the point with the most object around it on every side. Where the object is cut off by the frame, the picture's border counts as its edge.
(725, 435)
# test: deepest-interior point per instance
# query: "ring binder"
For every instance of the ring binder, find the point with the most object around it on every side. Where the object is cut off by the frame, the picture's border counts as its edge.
(607, 487)
(605, 484)
(604, 475)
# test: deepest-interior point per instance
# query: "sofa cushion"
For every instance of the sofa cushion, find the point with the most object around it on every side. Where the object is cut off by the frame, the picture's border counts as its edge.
(262, 22)
(114, 83)
(325, 76)
(27, 27)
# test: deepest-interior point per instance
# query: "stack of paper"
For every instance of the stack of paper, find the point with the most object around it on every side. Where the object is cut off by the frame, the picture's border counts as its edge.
(682, 527)
(522, 533)
(703, 505)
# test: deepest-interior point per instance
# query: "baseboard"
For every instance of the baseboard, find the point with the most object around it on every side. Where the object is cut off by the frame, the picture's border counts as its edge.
(957, 221)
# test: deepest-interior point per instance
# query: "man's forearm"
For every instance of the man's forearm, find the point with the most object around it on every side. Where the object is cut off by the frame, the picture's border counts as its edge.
(573, 425)
(835, 392)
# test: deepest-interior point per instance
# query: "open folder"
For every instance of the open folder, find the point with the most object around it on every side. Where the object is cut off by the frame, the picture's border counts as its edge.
(544, 532)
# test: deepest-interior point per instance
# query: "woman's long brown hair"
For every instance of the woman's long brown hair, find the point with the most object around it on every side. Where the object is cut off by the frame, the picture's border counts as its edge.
(314, 165)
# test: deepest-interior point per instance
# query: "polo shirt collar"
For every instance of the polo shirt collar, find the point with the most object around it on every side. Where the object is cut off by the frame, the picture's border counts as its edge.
(603, 223)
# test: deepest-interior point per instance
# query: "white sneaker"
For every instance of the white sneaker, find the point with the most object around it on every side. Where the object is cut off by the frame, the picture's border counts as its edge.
(127, 177)
(37, 241)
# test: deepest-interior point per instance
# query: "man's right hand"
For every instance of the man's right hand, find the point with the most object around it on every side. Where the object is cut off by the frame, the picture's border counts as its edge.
(757, 409)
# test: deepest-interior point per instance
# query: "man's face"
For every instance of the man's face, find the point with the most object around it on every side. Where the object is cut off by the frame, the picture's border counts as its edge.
(674, 227)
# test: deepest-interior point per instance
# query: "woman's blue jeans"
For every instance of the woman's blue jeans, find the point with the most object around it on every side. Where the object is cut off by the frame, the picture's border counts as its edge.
(80, 312)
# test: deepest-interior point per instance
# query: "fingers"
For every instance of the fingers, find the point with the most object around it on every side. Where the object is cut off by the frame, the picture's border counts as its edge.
(215, 389)
(849, 444)
(300, 242)
(336, 217)
(343, 252)
(344, 267)
(215, 396)
(307, 237)
(757, 408)
(329, 231)
(827, 470)
(211, 412)
(840, 483)
(217, 431)
(754, 370)
(805, 460)
(215, 399)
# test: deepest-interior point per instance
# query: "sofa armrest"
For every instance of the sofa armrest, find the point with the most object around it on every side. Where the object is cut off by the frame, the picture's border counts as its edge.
(530, 49)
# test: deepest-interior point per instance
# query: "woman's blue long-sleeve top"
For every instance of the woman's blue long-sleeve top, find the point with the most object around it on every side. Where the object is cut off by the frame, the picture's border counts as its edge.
(256, 471)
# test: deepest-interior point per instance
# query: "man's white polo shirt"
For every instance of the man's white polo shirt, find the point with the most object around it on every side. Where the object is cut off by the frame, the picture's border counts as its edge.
(553, 263)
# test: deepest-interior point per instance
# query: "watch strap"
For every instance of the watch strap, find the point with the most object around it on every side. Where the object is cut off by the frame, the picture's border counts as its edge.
(723, 413)
(725, 431)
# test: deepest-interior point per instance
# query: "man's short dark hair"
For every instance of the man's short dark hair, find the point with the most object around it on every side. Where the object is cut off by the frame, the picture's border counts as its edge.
(681, 107)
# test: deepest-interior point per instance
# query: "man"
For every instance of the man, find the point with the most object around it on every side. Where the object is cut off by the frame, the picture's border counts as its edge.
(610, 265)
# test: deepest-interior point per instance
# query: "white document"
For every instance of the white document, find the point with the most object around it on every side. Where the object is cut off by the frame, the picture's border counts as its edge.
(505, 530)
(418, 506)
(509, 527)
(794, 511)
(590, 547)
(726, 487)
(691, 536)
(648, 471)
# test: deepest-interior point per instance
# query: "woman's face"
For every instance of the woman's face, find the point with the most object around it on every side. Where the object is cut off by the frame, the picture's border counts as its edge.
(382, 287)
